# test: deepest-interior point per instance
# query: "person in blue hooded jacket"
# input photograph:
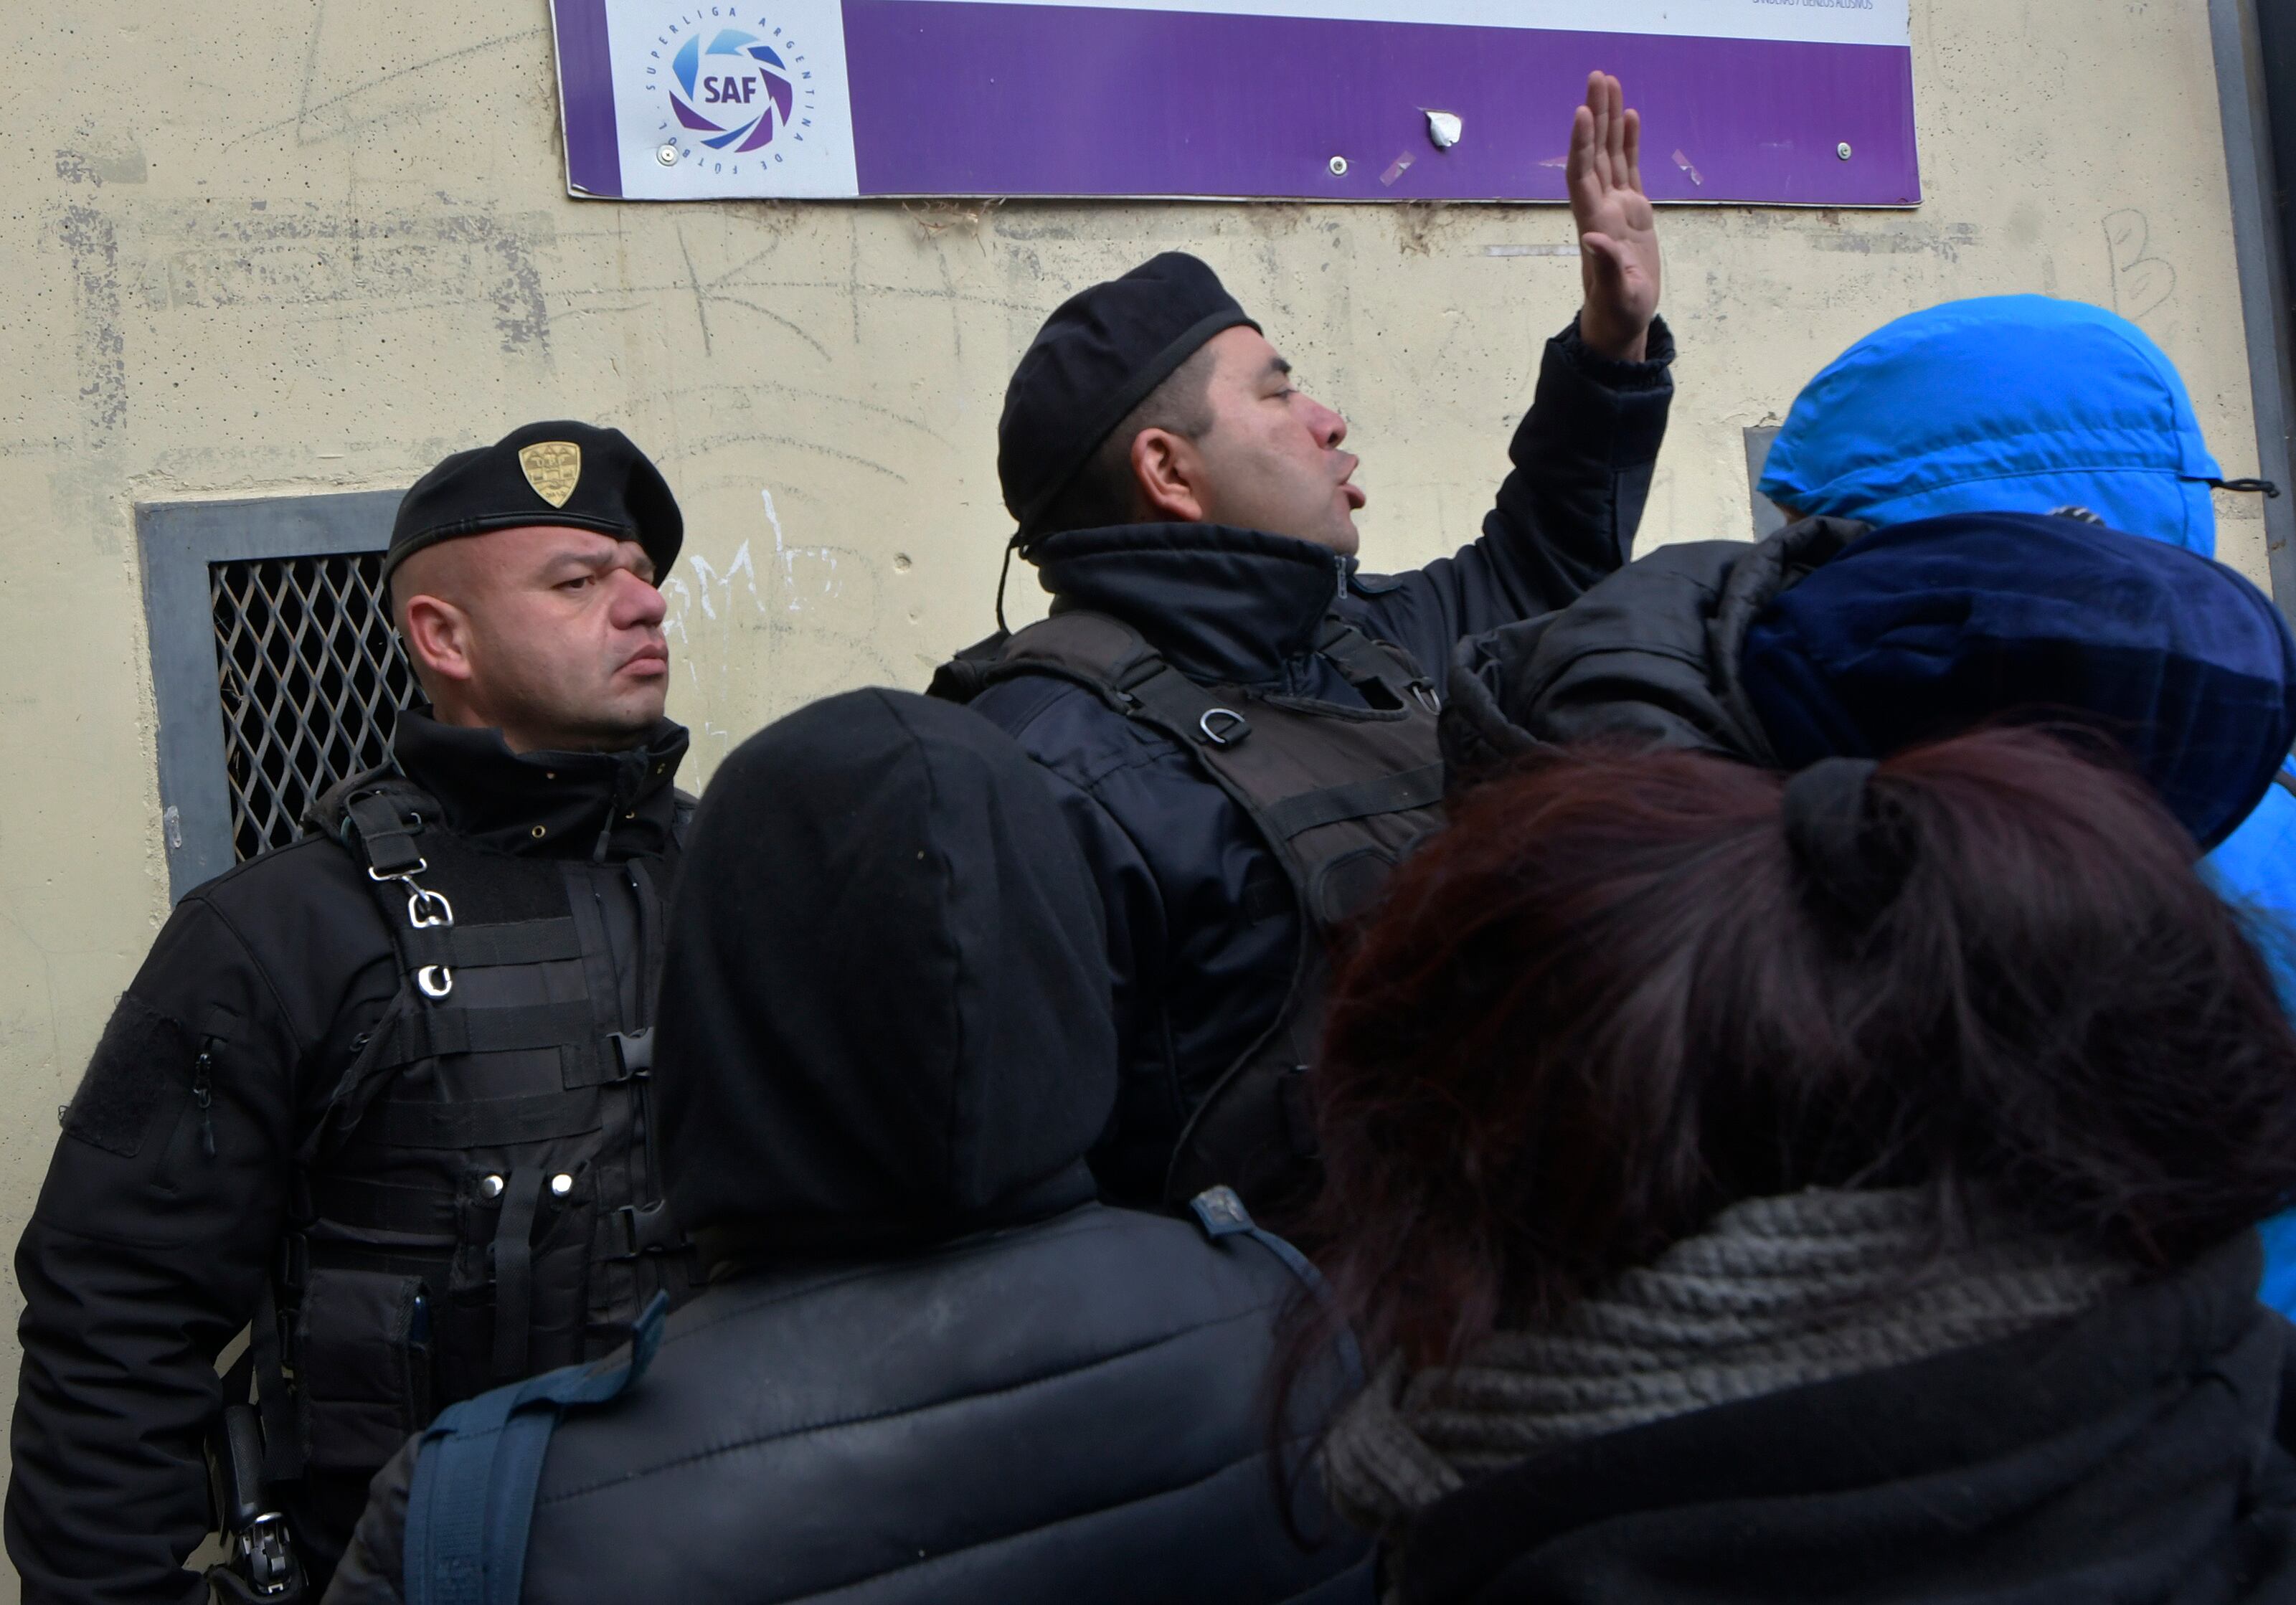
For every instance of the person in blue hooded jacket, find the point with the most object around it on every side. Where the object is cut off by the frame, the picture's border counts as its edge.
(2056, 404)
(2001, 507)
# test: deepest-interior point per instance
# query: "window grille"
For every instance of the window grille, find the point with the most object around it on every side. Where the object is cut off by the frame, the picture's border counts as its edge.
(273, 664)
(312, 679)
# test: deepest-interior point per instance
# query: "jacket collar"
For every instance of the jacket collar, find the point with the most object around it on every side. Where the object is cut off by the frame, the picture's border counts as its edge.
(548, 804)
(1222, 604)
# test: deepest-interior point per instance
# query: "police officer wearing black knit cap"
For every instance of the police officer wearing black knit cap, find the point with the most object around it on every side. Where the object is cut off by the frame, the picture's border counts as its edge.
(1239, 723)
(379, 1096)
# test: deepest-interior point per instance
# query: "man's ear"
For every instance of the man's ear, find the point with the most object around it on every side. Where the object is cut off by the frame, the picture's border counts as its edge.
(1168, 474)
(438, 636)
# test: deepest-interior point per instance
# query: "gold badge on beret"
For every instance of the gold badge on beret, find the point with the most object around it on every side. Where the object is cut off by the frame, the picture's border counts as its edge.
(554, 468)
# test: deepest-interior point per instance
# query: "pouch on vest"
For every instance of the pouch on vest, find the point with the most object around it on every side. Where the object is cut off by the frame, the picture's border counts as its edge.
(362, 1359)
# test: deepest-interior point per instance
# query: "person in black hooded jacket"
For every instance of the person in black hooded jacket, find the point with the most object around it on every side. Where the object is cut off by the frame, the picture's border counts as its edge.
(929, 1365)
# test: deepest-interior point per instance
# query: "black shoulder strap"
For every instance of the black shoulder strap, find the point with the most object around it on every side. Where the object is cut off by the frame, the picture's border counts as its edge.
(324, 816)
(1102, 653)
(1110, 659)
(1221, 1213)
(378, 818)
(2284, 780)
(1366, 663)
(966, 676)
(470, 1506)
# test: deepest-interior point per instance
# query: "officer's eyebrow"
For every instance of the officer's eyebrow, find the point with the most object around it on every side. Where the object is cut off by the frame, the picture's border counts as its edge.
(1277, 368)
(573, 560)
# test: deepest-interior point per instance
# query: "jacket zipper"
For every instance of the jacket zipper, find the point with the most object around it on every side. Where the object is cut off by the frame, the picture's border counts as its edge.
(1297, 672)
(204, 1094)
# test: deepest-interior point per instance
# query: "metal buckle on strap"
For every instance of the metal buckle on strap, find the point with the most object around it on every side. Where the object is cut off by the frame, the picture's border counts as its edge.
(426, 910)
(270, 1563)
(634, 1050)
(1233, 728)
(645, 1229)
(294, 1261)
(1424, 690)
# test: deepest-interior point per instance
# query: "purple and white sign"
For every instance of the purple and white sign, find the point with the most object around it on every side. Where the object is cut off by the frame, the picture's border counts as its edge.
(1796, 103)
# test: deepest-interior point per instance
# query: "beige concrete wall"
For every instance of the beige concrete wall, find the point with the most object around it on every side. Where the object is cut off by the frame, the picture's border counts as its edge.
(291, 245)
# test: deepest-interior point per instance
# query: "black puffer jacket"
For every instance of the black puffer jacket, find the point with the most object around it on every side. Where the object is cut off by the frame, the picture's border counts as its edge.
(1836, 638)
(931, 1367)
(2142, 1454)
(1203, 933)
(1652, 652)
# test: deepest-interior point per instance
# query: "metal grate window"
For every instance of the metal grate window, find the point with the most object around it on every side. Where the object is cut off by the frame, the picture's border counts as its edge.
(272, 664)
(312, 679)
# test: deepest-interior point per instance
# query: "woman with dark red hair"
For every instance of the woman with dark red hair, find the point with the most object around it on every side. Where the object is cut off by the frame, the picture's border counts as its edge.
(1833, 1189)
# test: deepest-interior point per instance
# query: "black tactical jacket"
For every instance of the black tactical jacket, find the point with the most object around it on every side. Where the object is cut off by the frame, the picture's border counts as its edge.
(170, 1191)
(1203, 929)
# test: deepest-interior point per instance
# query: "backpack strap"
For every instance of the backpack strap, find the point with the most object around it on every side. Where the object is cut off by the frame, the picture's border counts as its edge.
(1221, 1214)
(1096, 650)
(470, 1506)
(968, 674)
(325, 814)
(1366, 663)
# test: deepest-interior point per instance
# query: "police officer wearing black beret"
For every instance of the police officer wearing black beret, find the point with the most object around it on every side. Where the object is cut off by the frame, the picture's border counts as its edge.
(381, 1096)
(1239, 722)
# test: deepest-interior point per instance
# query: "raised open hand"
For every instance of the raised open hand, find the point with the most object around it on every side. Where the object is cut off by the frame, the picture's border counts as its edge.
(1617, 230)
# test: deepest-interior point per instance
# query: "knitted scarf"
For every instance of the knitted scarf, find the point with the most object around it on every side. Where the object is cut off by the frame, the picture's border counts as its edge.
(1774, 1293)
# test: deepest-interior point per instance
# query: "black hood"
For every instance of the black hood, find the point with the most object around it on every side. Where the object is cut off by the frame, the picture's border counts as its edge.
(886, 1015)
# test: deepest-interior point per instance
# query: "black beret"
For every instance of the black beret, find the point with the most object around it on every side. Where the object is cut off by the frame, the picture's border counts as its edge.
(1095, 359)
(556, 472)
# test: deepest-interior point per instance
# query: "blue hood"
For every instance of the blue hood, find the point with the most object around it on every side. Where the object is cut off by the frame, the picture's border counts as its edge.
(2006, 404)
(1923, 630)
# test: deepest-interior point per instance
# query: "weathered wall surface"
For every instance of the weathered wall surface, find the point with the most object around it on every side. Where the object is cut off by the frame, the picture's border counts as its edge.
(281, 246)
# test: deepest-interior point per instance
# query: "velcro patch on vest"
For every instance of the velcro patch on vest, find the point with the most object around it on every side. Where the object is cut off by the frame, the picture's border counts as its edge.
(1266, 893)
(142, 1055)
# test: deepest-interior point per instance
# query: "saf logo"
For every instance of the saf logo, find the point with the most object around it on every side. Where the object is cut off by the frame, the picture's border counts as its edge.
(740, 73)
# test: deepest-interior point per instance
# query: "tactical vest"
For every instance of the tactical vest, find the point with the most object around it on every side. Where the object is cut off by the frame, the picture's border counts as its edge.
(480, 1200)
(1338, 793)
